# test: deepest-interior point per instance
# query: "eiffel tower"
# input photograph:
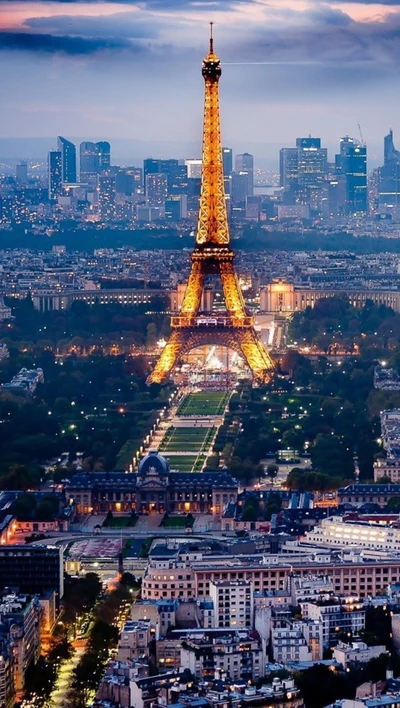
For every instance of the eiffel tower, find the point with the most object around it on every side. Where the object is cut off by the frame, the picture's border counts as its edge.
(213, 255)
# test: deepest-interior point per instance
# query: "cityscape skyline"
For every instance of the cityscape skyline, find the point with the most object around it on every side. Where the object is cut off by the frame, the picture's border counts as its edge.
(330, 64)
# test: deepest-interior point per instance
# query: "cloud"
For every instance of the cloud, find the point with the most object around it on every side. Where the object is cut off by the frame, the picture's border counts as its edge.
(122, 24)
(51, 44)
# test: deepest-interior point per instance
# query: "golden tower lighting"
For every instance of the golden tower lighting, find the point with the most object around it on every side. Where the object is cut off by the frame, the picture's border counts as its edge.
(213, 255)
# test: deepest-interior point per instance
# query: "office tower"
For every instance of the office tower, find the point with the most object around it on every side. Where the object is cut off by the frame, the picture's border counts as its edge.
(312, 162)
(176, 208)
(193, 168)
(156, 189)
(245, 163)
(239, 187)
(68, 159)
(352, 163)
(128, 181)
(32, 569)
(150, 167)
(288, 167)
(104, 151)
(54, 173)
(177, 180)
(227, 161)
(107, 193)
(21, 172)
(389, 175)
(89, 161)
(227, 165)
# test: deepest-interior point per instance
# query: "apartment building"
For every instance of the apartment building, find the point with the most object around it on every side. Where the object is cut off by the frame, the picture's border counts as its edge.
(346, 654)
(389, 468)
(336, 532)
(135, 639)
(169, 580)
(337, 615)
(237, 654)
(233, 603)
(348, 572)
(20, 627)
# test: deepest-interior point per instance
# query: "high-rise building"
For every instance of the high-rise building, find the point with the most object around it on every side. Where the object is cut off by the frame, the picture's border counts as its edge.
(176, 208)
(128, 181)
(107, 194)
(54, 172)
(288, 167)
(150, 167)
(312, 162)
(352, 163)
(177, 176)
(245, 163)
(104, 149)
(156, 189)
(68, 159)
(193, 168)
(389, 175)
(89, 161)
(32, 569)
(239, 187)
(227, 165)
(227, 161)
(21, 172)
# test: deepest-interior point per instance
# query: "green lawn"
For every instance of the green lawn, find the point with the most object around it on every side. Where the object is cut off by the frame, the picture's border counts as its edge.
(186, 463)
(204, 403)
(120, 522)
(187, 440)
(176, 522)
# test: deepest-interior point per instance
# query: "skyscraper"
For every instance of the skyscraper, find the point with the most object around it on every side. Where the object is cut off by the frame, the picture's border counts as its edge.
(227, 165)
(389, 175)
(156, 189)
(245, 163)
(68, 159)
(104, 149)
(89, 161)
(107, 197)
(21, 172)
(352, 163)
(54, 170)
(312, 162)
(288, 167)
(227, 161)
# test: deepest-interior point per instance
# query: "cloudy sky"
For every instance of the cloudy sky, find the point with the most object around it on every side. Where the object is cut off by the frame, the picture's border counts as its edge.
(132, 70)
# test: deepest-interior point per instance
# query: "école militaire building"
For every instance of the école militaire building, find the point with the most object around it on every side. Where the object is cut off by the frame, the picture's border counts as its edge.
(154, 489)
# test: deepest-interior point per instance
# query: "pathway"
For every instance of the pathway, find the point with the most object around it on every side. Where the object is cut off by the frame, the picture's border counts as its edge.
(58, 698)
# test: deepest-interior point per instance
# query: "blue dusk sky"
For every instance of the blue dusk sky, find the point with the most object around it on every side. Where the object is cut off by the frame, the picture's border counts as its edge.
(131, 70)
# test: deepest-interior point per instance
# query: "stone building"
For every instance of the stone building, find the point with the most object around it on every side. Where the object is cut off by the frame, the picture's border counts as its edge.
(154, 489)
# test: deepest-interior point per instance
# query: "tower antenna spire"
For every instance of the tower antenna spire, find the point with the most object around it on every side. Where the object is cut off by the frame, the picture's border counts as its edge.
(211, 38)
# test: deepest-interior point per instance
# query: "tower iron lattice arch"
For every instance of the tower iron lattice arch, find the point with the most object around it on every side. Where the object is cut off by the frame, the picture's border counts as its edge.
(213, 255)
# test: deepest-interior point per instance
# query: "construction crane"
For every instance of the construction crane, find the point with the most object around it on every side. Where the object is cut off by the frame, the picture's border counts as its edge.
(361, 136)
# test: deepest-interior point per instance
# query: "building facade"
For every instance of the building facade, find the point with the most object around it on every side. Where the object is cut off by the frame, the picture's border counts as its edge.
(154, 489)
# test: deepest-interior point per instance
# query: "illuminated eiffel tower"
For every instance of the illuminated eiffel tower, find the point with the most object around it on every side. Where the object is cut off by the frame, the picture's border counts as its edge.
(213, 255)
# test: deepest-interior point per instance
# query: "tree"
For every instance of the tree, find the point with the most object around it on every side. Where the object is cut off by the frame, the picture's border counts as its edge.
(272, 471)
(251, 509)
(151, 335)
(24, 507)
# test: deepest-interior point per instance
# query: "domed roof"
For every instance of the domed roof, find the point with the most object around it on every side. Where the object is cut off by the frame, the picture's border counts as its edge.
(153, 463)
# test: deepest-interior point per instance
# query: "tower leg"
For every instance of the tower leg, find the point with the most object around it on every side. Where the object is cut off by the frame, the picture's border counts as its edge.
(194, 290)
(232, 293)
(255, 355)
(168, 359)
